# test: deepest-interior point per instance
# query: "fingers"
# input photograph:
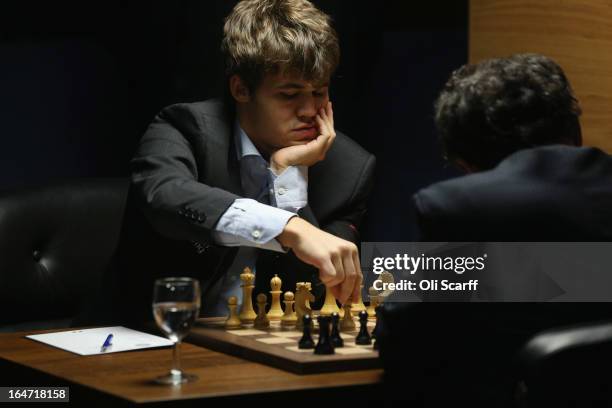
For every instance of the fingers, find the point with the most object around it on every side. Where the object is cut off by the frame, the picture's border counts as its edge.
(330, 114)
(335, 290)
(329, 273)
(340, 277)
(359, 276)
(350, 276)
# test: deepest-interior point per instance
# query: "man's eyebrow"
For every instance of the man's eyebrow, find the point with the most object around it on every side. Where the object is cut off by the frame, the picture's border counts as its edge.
(295, 85)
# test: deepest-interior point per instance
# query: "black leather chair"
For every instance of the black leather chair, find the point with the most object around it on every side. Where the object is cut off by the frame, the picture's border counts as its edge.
(445, 354)
(567, 367)
(57, 243)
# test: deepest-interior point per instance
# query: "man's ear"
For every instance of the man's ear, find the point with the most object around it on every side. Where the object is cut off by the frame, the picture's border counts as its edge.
(239, 90)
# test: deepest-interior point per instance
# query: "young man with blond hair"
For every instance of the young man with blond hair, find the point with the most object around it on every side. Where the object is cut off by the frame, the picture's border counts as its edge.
(261, 179)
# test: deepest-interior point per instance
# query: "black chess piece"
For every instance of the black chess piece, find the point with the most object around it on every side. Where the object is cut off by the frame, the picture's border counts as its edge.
(306, 341)
(376, 330)
(363, 338)
(324, 345)
(335, 338)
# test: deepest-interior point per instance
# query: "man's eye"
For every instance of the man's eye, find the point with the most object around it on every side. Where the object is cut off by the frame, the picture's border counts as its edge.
(288, 95)
(319, 94)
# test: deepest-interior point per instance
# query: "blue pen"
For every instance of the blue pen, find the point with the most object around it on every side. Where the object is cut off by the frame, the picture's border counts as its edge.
(107, 343)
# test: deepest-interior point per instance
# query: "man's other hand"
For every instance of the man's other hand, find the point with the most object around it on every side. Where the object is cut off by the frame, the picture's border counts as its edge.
(336, 258)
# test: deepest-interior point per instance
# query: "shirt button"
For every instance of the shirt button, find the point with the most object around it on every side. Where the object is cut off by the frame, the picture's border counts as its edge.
(282, 191)
(256, 234)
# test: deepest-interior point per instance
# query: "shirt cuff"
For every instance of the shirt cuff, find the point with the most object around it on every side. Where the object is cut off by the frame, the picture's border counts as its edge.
(250, 223)
(290, 188)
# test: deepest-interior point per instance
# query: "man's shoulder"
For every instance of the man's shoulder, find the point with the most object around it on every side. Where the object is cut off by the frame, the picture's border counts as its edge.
(199, 117)
(211, 108)
(530, 194)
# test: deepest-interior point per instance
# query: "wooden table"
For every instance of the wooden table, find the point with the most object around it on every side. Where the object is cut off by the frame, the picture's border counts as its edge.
(124, 378)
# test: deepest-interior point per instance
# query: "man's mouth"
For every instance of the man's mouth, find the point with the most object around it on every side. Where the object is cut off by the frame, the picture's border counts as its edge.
(306, 132)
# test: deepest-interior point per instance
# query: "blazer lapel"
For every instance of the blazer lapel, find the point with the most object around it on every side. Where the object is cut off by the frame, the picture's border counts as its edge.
(223, 170)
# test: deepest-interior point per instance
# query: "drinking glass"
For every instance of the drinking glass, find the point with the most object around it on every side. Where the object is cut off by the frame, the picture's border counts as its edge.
(176, 305)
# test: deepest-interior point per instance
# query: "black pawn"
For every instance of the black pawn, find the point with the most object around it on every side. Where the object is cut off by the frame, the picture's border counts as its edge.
(324, 345)
(306, 341)
(336, 340)
(363, 338)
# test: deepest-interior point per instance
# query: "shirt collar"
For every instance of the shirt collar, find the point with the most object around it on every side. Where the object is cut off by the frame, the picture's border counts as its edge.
(244, 145)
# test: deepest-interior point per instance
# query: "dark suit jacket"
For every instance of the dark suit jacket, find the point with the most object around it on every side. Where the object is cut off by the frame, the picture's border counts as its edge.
(550, 193)
(186, 174)
(462, 353)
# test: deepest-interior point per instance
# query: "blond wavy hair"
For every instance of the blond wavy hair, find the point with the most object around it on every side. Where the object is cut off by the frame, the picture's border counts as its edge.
(272, 36)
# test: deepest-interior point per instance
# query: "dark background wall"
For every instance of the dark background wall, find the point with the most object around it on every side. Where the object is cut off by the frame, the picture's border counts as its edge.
(79, 84)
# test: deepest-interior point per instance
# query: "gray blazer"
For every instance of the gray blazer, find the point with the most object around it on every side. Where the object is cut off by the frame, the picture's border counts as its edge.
(185, 174)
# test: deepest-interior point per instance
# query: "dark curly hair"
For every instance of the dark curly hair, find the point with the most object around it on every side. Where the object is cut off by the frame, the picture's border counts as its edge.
(490, 110)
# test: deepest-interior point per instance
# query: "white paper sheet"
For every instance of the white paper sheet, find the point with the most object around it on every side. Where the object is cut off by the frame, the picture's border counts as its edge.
(87, 342)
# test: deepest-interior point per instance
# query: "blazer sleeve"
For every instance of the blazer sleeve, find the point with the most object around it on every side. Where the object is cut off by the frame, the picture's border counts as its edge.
(165, 178)
(346, 224)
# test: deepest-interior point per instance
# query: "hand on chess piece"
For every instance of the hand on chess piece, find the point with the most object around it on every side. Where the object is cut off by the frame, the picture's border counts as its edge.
(336, 258)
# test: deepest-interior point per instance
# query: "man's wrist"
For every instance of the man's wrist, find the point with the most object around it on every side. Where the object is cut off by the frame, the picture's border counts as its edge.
(278, 168)
(291, 232)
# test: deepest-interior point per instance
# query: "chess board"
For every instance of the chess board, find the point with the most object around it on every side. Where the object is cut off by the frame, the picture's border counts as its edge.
(277, 347)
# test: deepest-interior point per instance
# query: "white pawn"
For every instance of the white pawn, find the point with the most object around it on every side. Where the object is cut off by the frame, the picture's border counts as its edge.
(347, 323)
(276, 311)
(289, 318)
(233, 321)
(261, 321)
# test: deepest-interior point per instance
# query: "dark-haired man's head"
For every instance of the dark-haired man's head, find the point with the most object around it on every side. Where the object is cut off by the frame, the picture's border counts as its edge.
(279, 58)
(489, 110)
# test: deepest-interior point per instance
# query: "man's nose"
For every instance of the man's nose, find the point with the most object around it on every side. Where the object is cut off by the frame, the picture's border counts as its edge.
(307, 108)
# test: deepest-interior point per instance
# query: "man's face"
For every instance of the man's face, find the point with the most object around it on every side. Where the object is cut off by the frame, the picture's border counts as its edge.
(281, 111)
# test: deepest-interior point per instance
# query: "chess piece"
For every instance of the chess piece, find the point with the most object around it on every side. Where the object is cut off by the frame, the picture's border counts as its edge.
(247, 314)
(309, 289)
(373, 294)
(261, 321)
(306, 341)
(335, 338)
(358, 306)
(376, 330)
(233, 321)
(347, 324)
(301, 297)
(329, 306)
(289, 318)
(363, 337)
(324, 345)
(276, 311)
(386, 278)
